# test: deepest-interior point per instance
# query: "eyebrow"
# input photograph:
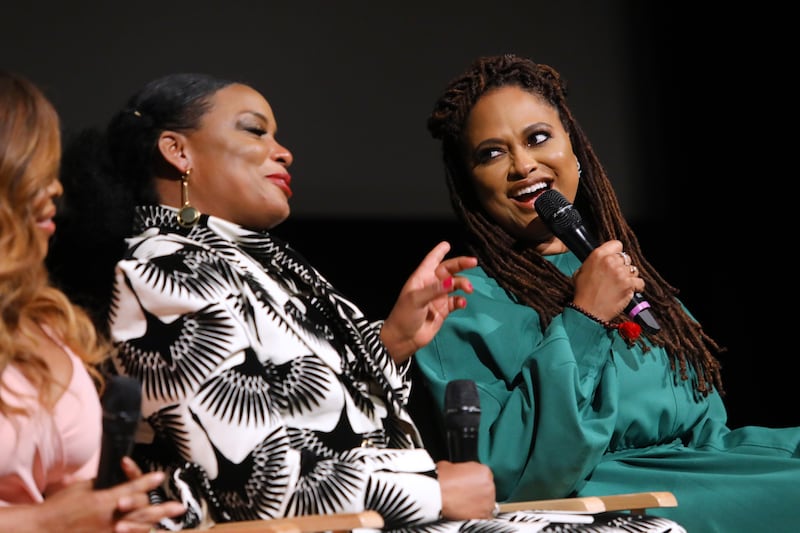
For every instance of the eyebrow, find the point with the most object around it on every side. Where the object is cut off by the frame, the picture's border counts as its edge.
(491, 141)
(256, 114)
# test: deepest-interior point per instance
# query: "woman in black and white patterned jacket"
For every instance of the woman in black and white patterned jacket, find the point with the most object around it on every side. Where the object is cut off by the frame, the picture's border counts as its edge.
(266, 393)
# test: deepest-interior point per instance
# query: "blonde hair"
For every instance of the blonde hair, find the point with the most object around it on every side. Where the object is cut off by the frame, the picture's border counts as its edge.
(30, 153)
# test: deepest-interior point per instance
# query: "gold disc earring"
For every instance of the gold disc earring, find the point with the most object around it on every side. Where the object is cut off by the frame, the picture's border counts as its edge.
(187, 214)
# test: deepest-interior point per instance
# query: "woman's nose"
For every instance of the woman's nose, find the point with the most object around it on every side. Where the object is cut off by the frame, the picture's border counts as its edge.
(524, 163)
(55, 189)
(282, 154)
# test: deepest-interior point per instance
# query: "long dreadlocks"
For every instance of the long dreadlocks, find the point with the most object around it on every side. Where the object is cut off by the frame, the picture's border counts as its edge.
(519, 268)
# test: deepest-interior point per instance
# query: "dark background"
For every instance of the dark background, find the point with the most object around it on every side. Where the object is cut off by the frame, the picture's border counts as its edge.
(690, 110)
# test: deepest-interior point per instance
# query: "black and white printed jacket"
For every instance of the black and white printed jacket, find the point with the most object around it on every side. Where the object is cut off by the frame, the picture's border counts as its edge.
(263, 387)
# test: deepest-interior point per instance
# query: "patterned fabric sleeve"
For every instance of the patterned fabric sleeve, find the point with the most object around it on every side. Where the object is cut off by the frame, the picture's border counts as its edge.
(397, 375)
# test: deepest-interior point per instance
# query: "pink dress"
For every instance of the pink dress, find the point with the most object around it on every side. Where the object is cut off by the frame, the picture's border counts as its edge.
(41, 453)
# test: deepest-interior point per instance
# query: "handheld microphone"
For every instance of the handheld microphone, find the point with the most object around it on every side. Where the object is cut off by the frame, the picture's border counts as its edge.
(121, 403)
(566, 223)
(462, 416)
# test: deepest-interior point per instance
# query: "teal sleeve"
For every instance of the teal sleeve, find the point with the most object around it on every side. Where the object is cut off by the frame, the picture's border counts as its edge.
(548, 400)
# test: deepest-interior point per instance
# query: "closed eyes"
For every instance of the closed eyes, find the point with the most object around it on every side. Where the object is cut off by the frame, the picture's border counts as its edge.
(260, 132)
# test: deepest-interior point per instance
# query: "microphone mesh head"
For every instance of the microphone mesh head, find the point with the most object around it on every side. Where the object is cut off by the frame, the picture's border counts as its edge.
(556, 211)
(462, 404)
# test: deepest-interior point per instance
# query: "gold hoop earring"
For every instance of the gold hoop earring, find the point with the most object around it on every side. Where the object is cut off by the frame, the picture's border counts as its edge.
(187, 214)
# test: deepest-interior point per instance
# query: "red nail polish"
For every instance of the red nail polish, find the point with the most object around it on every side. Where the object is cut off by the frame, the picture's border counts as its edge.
(448, 283)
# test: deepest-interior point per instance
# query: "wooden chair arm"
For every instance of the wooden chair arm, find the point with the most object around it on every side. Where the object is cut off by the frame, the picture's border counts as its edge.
(335, 523)
(639, 502)
(636, 502)
(258, 526)
(589, 504)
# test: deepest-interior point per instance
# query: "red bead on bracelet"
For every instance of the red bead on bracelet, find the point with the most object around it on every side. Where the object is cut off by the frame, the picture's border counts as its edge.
(628, 330)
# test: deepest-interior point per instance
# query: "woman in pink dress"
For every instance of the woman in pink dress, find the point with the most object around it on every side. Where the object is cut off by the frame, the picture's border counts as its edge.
(50, 413)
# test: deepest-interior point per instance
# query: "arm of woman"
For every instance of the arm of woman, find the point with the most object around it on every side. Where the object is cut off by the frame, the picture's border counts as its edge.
(77, 508)
(236, 381)
(424, 302)
(547, 400)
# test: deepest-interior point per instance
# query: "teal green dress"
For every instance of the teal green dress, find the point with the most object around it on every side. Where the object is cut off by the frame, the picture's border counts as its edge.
(574, 411)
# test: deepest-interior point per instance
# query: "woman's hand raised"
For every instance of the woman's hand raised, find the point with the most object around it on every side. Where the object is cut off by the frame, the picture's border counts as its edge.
(425, 301)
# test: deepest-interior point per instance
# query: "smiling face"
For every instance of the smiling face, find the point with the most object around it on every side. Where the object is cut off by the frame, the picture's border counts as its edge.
(238, 168)
(516, 147)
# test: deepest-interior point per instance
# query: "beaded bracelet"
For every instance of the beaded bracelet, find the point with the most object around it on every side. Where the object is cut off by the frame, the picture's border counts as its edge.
(628, 330)
(586, 313)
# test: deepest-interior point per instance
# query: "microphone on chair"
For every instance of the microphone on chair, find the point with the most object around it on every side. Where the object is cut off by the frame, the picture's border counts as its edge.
(121, 404)
(462, 416)
(566, 223)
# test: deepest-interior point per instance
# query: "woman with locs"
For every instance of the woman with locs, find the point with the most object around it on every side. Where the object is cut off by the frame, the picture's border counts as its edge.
(576, 398)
